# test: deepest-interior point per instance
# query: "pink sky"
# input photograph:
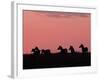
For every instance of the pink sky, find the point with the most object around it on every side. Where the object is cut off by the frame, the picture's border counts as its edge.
(48, 30)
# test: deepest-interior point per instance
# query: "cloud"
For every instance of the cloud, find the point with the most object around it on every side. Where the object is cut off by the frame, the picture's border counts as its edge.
(62, 14)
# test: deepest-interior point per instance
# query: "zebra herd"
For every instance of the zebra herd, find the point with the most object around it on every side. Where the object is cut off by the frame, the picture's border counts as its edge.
(37, 51)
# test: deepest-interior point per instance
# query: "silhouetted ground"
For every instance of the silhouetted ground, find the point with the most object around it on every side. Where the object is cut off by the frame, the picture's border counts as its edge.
(56, 60)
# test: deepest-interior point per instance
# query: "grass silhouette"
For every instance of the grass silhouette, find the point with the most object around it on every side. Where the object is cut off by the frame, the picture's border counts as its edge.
(33, 61)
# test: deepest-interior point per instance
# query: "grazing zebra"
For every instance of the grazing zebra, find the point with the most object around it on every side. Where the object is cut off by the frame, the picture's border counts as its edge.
(62, 50)
(45, 52)
(84, 49)
(71, 48)
(35, 51)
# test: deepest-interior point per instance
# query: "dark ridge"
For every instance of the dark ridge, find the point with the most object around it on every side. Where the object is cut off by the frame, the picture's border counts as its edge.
(45, 59)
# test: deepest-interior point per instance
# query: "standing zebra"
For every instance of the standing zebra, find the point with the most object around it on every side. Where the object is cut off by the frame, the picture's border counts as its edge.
(62, 50)
(84, 49)
(72, 49)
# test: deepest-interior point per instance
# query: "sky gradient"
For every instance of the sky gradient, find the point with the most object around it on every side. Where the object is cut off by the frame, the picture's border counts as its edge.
(48, 30)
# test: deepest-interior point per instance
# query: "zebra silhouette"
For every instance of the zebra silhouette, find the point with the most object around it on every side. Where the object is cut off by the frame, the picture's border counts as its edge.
(62, 50)
(84, 49)
(35, 51)
(71, 48)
